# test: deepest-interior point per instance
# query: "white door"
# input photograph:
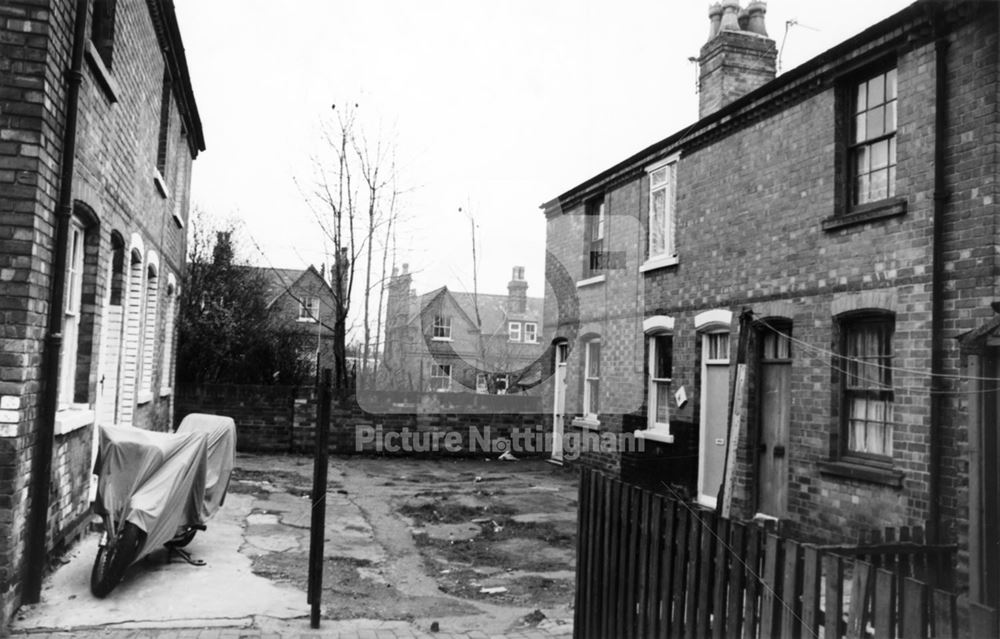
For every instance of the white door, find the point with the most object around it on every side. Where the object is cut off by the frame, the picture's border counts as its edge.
(714, 418)
(559, 400)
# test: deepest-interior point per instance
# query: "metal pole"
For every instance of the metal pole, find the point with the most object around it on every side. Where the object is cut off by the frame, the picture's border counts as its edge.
(317, 525)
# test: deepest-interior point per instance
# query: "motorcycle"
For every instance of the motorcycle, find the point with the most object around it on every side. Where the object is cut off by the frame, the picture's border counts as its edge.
(158, 489)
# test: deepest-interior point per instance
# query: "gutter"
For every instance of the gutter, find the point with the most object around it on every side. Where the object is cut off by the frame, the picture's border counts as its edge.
(941, 197)
(41, 470)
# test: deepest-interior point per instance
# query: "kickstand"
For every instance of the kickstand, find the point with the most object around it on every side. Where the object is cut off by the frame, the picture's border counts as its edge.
(185, 555)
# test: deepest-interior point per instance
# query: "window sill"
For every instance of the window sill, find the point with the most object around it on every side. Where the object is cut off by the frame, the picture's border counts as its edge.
(658, 263)
(144, 398)
(161, 185)
(105, 80)
(73, 418)
(166, 391)
(586, 423)
(655, 435)
(306, 320)
(590, 281)
(441, 339)
(866, 213)
(863, 472)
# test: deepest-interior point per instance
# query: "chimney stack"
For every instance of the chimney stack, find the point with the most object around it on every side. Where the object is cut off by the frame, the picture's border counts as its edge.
(517, 292)
(738, 58)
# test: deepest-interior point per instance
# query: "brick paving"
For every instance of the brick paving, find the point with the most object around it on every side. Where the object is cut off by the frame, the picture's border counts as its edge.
(297, 630)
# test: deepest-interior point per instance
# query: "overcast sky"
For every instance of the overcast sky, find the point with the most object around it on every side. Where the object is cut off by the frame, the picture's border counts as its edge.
(494, 107)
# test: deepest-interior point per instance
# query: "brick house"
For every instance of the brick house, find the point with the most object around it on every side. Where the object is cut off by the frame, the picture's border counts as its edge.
(434, 343)
(98, 131)
(303, 300)
(809, 252)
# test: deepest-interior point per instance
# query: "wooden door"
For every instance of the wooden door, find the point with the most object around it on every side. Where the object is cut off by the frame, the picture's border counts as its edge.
(990, 538)
(559, 400)
(714, 416)
(775, 418)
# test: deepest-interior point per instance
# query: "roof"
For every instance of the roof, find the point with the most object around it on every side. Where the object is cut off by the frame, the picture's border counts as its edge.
(281, 280)
(492, 308)
(169, 34)
(810, 76)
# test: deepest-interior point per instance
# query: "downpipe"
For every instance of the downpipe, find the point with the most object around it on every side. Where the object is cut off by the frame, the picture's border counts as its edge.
(941, 196)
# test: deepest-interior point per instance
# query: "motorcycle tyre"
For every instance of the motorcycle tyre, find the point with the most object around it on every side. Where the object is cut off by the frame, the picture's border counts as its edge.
(113, 558)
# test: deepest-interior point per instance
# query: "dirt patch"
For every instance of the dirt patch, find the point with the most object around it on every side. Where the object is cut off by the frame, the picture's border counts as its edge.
(520, 590)
(446, 512)
(356, 589)
(511, 545)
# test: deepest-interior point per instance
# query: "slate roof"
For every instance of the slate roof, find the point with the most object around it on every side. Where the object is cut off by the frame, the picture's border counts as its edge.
(492, 308)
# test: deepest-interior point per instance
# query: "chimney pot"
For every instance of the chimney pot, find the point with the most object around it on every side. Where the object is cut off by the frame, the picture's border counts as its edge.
(755, 12)
(714, 19)
(730, 15)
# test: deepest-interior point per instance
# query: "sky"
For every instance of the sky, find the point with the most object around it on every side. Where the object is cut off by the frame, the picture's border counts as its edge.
(492, 108)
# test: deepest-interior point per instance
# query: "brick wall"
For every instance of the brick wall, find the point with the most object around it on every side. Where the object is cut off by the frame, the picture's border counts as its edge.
(283, 419)
(752, 198)
(114, 191)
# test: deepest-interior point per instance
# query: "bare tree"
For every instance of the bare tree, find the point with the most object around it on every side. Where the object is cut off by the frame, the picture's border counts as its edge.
(352, 197)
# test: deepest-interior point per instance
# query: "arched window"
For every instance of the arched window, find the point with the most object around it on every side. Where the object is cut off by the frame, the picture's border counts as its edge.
(592, 378)
(659, 331)
(72, 309)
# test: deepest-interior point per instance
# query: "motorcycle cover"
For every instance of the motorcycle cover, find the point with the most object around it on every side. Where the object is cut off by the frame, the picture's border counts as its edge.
(158, 481)
(221, 434)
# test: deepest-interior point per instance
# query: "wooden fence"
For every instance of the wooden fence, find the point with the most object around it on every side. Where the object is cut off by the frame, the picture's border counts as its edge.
(648, 566)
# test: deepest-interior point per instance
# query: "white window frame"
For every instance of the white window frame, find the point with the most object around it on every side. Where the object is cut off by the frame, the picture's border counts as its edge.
(505, 379)
(531, 336)
(657, 257)
(591, 383)
(72, 307)
(481, 387)
(441, 329)
(514, 331)
(309, 309)
(656, 327)
(436, 374)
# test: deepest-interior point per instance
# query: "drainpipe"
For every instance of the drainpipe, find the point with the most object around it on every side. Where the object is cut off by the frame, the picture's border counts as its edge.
(941, 197)
(41, 470)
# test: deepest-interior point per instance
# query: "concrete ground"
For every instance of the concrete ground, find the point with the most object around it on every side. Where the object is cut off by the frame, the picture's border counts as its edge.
(414, 548)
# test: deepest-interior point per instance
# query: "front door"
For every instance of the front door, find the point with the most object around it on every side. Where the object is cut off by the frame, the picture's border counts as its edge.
(559, 400)
(714, 418)
(775, 411)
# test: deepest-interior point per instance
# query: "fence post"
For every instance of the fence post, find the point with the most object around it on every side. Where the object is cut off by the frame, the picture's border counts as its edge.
(582, 526)
(317, 525)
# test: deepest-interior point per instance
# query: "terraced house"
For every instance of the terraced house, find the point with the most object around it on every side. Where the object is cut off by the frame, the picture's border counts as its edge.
(98, 132)
(791, 300)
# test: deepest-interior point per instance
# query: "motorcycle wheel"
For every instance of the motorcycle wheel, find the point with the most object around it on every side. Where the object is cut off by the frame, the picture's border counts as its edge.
(113, 558)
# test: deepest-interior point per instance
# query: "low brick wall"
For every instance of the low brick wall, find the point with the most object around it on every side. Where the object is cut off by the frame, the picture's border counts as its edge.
(283, 419)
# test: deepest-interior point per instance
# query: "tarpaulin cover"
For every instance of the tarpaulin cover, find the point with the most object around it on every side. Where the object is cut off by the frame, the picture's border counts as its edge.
(221, 434)
(158, 481)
